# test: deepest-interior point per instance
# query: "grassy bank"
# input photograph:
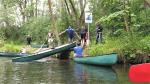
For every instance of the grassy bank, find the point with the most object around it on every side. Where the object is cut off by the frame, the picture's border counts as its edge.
(12, 47)
(129, 49)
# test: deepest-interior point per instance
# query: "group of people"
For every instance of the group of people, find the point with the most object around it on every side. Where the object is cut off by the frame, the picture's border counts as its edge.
(71, 34)
(83, 34)
(78, 50)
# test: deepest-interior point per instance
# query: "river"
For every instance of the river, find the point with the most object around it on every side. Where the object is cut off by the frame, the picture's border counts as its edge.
(60, 72)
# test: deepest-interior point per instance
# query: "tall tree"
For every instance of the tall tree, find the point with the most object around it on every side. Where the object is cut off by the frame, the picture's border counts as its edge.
(75, 10)
(53, 20)
(127, 14)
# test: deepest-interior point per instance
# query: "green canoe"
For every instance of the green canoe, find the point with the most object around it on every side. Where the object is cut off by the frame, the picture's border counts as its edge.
(4, 54)
(103, 60)
(44, 54)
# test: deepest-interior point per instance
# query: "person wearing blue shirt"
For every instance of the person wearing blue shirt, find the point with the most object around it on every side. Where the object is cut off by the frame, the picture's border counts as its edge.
(78, 50)
(71, 33)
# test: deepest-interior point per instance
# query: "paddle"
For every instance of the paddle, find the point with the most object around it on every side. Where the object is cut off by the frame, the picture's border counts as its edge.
(40, 47)
(140, 73)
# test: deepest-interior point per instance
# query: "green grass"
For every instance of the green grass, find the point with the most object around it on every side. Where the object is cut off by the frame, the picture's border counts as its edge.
(127, 46)
(11, 48)
(110, 46)
(15, 48)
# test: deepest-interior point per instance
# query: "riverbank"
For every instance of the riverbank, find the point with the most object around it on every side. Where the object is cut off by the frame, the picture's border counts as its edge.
(16, 48)
(127, 53)
(130, 49)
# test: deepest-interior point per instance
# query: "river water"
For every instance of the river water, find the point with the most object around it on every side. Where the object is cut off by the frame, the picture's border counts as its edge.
(60, 72)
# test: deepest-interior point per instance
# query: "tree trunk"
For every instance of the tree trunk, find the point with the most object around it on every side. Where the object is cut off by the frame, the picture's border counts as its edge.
(146, 3)
(22, 5)
(53, 24)
(67, 7)
(36, 10)
(75, 13)
(43, 9)
(126, 18)
(6, 17)
(81, 18)
(32, 10)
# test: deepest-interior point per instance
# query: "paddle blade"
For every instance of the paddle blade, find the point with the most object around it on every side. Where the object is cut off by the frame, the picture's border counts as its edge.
(140, 73)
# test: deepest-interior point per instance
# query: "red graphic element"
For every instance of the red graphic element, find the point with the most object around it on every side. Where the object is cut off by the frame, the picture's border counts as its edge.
(140, 73)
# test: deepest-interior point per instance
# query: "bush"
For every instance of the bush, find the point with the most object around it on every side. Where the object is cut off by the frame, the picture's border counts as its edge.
(1, 43)
(37, 28)
(130, 48)
(11, 48)
(111, 45)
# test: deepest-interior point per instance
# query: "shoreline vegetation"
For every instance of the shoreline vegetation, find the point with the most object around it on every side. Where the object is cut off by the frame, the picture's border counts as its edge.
(125, 23)
(127, 52)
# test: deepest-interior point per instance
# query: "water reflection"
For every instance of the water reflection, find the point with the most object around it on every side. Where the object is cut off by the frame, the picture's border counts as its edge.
(54, 72)
(24, 73)
(87, 74)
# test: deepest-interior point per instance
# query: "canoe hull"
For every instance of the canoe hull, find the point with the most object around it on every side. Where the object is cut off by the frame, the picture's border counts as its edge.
(44, 54)
(104, 60)
(2, 54)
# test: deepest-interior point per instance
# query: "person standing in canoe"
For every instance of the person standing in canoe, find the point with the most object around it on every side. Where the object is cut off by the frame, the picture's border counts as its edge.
(99, 30)
(50, 40)
(83, 35)
(78, 50)
(29, 39)
(23, 51)
(71, 34)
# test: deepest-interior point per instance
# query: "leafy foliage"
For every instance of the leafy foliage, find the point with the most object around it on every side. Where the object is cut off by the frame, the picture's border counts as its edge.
(38, 28)
(115, 16)
(10, 47)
